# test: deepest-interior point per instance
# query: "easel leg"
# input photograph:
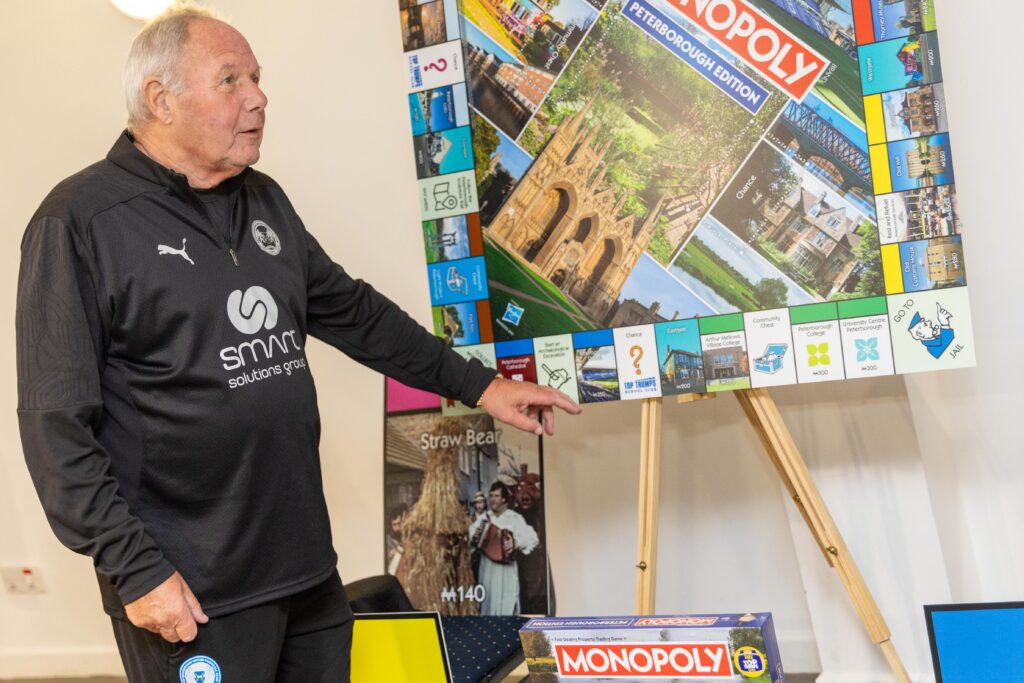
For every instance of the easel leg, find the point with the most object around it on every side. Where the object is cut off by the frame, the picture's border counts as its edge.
(647, 522)
(764, 416)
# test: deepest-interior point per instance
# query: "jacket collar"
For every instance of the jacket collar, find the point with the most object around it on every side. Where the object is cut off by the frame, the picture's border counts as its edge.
(127, 156)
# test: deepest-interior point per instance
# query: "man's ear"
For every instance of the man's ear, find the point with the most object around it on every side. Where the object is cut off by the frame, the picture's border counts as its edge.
(157, 99)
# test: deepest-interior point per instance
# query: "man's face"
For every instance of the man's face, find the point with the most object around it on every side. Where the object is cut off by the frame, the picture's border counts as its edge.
(218, 118)
(497, 502)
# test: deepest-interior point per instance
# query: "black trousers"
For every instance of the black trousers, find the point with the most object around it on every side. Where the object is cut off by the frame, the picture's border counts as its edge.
(306, 637)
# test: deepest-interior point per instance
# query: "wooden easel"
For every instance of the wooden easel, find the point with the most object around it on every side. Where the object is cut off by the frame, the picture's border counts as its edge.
(764, 417)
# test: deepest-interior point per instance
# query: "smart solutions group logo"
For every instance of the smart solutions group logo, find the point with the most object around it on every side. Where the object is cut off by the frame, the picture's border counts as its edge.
(252, 311)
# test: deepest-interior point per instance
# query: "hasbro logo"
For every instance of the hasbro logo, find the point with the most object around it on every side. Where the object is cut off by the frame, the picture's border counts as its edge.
(513, 314)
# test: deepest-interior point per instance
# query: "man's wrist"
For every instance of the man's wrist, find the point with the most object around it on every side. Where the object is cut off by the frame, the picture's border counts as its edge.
(480, 401)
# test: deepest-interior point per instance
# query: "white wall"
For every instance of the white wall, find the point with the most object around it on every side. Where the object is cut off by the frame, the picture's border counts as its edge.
(921, 476)
(969, 423)
(59, 84)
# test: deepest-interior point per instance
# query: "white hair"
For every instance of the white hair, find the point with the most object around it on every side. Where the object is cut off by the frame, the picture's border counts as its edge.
(156, 52)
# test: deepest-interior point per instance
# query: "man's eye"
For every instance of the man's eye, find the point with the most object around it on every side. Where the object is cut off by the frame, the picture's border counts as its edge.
(228, 80)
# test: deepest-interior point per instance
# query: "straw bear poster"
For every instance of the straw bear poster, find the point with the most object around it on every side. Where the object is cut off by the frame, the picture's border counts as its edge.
(464, 520)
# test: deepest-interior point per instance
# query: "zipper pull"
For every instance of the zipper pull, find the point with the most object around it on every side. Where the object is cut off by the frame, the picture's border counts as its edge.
(234, 256)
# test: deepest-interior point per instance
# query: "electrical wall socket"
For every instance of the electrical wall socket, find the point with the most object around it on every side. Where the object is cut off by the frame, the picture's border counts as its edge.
(22, 580)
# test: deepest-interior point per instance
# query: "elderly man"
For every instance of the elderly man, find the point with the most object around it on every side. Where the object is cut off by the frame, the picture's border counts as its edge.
(167, 413)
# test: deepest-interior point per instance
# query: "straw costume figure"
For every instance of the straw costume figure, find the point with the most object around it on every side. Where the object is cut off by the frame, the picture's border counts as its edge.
(434, 530)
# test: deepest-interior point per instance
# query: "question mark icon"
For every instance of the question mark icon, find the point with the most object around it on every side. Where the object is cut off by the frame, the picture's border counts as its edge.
(438, 65)
(636, 353)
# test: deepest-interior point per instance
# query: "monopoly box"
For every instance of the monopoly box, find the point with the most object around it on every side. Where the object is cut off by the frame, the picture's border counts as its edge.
(701, 647)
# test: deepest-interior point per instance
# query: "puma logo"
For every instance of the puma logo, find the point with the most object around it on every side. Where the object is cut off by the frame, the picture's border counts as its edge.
(164, 249)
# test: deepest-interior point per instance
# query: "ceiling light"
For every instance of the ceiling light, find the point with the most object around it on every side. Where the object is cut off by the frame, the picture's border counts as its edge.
(142, 10)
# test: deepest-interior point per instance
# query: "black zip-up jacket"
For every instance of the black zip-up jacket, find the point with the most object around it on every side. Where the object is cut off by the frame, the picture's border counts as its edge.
(167, 414)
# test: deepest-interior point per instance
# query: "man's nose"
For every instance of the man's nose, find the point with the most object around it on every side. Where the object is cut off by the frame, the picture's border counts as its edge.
(256, 99)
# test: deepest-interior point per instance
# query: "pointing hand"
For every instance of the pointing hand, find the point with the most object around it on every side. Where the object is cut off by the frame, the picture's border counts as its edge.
(525, 405)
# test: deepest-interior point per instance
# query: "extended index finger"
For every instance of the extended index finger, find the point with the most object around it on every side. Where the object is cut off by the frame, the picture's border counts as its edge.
(560, 399)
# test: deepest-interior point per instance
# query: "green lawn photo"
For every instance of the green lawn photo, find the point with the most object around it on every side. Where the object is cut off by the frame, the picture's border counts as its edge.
(547, 310)
(697, 260)
(430, 232)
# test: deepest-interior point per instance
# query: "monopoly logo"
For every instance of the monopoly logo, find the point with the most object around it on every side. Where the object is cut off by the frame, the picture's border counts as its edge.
(649, 660)
(767, 47)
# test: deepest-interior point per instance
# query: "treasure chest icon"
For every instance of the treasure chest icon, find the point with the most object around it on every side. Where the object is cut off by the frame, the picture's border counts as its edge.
(771, 361)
